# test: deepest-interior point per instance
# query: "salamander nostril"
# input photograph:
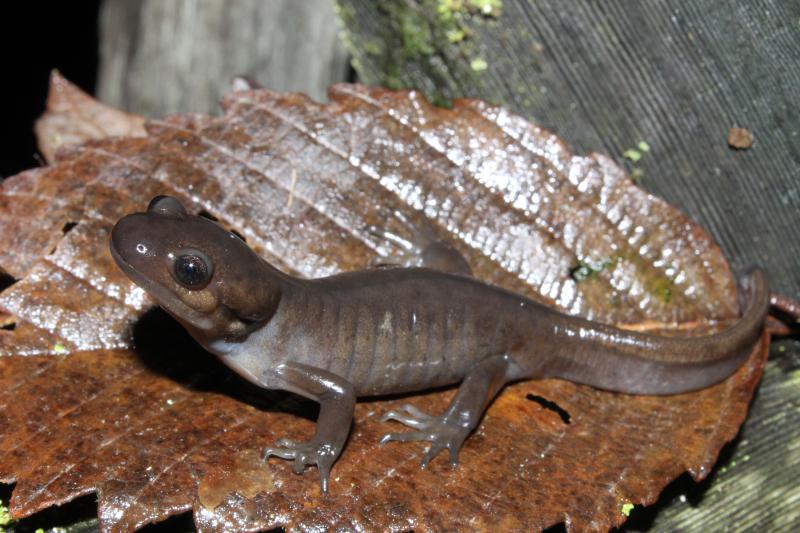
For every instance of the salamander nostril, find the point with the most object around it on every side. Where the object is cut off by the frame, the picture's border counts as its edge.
(238, 235)
(209, 216)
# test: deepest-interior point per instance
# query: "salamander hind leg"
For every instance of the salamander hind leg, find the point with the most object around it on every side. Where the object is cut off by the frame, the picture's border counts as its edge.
(336, 398)
(421, 246)
(450, 430)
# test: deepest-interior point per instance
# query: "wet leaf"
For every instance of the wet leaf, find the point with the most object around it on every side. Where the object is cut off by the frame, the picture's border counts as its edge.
(73, 117)
(102, 393)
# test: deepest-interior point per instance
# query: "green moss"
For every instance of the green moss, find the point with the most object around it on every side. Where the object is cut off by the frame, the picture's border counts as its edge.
(373, 47)
(451, 21)
(392, 82)
(632, 154)
(635, 154)
(581, 272)
(489, 8)
(5, 516)
(455, 35)
(478, 64)
(626, 509)
(440, 101)
(454, 16)
(585, 270)
(449, 9)
(663, 289)
(346, 17)
(429, 38)
(415, 34)
(59, 349)
(357, 65)
(637, 174)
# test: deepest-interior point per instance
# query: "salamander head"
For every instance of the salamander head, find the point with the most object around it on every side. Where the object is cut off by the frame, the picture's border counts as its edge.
(203, 275)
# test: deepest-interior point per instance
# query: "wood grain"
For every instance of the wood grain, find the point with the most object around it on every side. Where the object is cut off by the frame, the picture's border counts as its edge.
(164, 57)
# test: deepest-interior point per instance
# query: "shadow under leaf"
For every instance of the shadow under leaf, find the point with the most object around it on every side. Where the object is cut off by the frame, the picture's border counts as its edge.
(166, 348)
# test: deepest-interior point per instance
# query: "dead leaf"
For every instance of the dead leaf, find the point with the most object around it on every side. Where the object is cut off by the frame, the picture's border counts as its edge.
(73, 117)
(161, 429)
(740, 138)
(243, 476)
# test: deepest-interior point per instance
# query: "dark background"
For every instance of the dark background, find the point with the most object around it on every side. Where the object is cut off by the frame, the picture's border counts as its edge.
(37, 37)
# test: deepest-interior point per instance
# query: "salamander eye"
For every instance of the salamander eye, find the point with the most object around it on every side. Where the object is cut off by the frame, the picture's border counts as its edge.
(193, 270)
(166, 205)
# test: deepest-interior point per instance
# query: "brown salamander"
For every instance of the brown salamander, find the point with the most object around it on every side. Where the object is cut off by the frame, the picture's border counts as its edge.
(397, 330)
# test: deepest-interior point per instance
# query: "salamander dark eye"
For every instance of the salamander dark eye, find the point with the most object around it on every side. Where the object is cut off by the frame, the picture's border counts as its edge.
(166, 205)
(193, 270)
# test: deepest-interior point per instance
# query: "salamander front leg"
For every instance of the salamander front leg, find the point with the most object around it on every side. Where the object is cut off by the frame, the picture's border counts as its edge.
(462, 415)
(336, 399)
(423, 247)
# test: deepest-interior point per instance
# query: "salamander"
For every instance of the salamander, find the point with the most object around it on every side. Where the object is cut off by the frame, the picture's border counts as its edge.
(397, 330)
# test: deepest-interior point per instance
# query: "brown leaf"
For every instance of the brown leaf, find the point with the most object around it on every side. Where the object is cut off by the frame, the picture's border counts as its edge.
(73, 117)
(740, 138)
(165, 428)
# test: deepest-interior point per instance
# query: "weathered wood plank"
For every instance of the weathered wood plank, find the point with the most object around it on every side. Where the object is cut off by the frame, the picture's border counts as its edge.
(164, 57)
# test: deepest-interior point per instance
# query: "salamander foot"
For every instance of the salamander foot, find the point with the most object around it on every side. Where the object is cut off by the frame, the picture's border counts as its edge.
(304, 454)
(422, 248)
(441, 431)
